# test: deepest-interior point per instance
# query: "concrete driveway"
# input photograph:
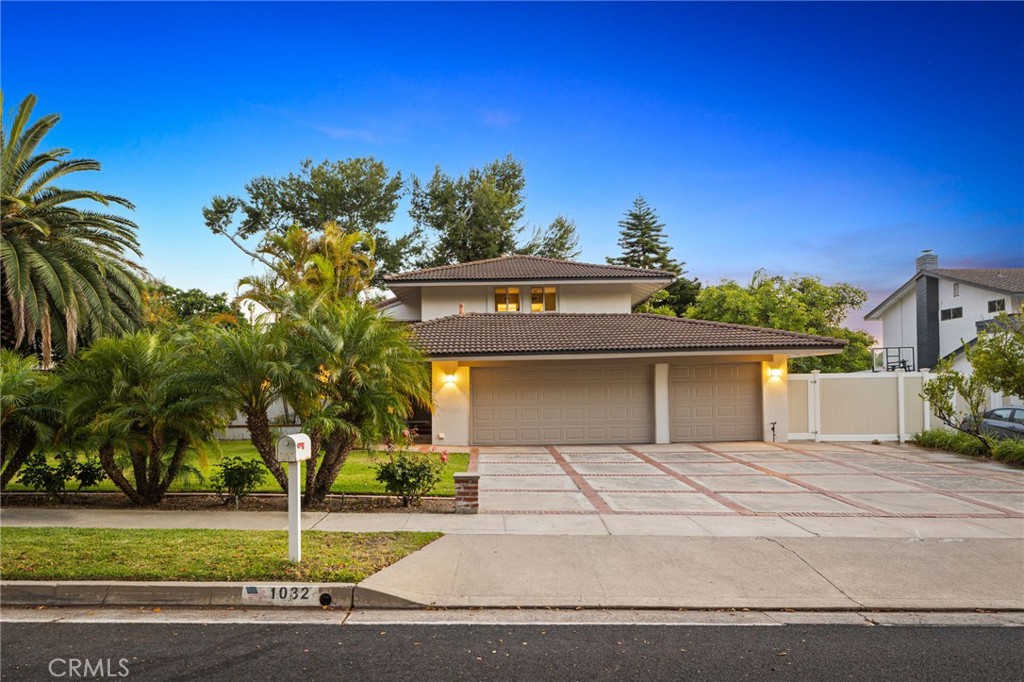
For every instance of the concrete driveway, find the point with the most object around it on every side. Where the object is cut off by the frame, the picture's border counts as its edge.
(748, 479)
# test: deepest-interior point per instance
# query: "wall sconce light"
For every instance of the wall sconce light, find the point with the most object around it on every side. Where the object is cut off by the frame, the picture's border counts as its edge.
(775, 372)
(449, 378)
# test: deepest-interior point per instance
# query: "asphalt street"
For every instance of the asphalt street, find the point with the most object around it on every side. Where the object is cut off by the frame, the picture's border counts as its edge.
(424, 653)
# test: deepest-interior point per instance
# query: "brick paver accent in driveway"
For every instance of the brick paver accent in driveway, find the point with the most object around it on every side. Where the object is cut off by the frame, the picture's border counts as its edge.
(748, 479)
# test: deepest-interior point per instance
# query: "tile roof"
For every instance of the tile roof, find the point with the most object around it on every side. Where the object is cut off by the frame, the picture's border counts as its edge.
(1010, 280)
(523, 268)
(477, 334)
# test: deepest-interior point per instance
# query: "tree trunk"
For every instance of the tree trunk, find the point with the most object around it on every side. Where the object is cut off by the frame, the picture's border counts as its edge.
(25, 447)
(336, 450)
(115, 474)
(263, 440)
(315, 443)
(180, 448)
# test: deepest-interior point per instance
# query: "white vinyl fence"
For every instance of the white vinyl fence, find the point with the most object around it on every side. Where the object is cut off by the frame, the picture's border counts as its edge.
(862, 406)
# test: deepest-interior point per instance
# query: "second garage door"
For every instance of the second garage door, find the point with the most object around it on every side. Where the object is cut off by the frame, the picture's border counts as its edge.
(562, 405)
(715, 402)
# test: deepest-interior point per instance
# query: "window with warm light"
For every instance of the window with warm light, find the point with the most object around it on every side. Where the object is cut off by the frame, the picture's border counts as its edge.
(506, 299)
(542, 299)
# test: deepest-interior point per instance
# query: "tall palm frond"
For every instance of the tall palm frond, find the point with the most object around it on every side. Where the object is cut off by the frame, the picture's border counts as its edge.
(68, 272)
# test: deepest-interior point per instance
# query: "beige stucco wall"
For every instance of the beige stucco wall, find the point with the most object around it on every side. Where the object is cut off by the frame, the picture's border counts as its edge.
(441, 301)
(594, 298)
(451, 409)
(774, 399)
(444, 300)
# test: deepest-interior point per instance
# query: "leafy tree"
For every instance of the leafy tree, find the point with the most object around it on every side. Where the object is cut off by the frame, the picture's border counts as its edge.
(799, 304)
(164, 304)
(356, 195)
(644, 244)
(361, 376)
(559, 240)
(957, 400)
(145, 401)
(67, 269)
(997, 357)
(28, 411)
(472, 217)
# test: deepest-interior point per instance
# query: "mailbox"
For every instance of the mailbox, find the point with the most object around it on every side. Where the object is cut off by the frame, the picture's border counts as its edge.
(294, 448)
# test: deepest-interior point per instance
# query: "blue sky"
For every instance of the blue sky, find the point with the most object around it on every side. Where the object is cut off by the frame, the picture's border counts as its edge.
(830, 139)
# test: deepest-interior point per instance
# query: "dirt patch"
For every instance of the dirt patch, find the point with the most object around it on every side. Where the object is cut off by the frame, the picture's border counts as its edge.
(376, 504)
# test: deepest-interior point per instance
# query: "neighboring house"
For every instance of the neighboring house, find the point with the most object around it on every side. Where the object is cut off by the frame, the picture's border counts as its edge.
(939, 310)
(529, 350)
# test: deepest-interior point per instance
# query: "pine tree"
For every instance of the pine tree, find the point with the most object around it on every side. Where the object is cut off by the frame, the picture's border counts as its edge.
(644, 245)
(643, 241)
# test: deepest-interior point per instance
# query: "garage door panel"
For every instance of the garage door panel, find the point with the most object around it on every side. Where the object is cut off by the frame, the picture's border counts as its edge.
(596, 404)
(715, 402)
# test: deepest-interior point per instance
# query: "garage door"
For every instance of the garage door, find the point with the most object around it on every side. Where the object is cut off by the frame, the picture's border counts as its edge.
(715, 402)
(559, 405)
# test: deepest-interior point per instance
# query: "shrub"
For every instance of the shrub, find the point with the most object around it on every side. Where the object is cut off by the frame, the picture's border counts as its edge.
(39, 475)
(237, 478)
(1009, 450)
(1002, 449)
(410, 475)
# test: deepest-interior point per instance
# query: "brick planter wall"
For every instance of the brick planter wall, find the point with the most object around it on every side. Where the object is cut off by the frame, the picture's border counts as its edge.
(467, 493)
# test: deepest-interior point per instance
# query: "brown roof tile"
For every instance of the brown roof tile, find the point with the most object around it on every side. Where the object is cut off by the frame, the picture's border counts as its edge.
(565, 333)
(524, 268)
(1010, 280)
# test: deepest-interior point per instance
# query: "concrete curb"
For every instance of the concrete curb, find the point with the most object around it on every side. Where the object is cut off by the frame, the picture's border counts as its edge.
(224, 594)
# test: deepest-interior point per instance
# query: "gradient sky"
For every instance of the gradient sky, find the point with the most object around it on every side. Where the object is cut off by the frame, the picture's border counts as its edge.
(830, 139)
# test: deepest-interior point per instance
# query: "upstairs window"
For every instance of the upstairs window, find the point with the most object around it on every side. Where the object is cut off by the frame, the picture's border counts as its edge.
(513, 300)
(997, 306)
(542, 299)
(956, 289)
(506, 299)
(951, 314)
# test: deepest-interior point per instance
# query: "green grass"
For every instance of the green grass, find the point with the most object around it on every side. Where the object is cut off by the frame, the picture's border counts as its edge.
(109, 554)
(1003, 449)
(356, 477)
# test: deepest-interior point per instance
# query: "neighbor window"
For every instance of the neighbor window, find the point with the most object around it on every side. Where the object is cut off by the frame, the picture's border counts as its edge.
(506, 299)
(952, 313)
(956, 289)
(997, 306)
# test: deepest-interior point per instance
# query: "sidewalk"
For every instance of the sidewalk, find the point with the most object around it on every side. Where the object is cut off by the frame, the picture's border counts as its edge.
(624, 561)
(533, 524)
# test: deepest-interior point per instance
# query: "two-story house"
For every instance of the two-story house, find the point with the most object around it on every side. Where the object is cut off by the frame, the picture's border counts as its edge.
(939, 310)
(528, 350)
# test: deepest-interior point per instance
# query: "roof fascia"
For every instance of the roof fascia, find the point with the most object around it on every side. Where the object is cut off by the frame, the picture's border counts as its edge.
(878, 310)
(792, 352)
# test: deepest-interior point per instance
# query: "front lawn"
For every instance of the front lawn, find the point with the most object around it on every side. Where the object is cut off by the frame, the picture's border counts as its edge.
(232, 555)
(356, 477)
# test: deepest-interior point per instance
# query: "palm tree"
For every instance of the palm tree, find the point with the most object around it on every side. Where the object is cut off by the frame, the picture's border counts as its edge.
(252, 365)
(361, 376)
(146, 401)
(66, 269)
(28, 411)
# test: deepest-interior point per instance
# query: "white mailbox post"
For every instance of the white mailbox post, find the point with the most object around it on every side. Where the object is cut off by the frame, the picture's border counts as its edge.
(293, 449)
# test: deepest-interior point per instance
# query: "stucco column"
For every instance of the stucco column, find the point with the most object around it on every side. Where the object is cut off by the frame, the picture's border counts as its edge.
(775, 398)
(451, 415)
(662, 415)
